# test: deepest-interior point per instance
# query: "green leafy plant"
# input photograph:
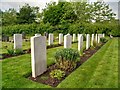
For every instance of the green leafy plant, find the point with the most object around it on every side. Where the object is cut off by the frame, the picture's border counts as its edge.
(92, 47)
(66, 58)
(18, 51)
(81, 52)
(103, 40)
(15, 51)
(84, 37)
(57, 74)
(10, 51)
(31, 29)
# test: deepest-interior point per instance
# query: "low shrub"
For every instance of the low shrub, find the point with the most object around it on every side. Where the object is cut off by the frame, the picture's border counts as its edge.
(103, 40)
(67, 65)
(18, 51)
(31, 29)
(66, 59)
(57, 74)
(10, 51)
(15, 51)
(84, 37)
(81, 52)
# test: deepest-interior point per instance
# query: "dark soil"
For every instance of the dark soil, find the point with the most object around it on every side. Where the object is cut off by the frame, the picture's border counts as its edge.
(45, 77)
(3, 56)
(27, 51)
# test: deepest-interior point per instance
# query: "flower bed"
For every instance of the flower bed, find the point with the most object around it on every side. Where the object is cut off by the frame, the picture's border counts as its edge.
(45, 78)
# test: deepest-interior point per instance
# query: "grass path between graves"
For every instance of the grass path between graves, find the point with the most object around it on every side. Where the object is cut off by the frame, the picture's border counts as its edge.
(10, 45)
(100, 71)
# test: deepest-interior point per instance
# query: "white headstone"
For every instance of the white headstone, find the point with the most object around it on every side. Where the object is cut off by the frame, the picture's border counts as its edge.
(87, 41)
(37, 34)
(103, 35)
(92, 39)
(80, 42)
(50, 39)
(99, 36)
(78, 35)
(68, 34)
(60, 38)
(67, 41)
(17, 41)
(74, 37)
(96, 38)
(38, 55)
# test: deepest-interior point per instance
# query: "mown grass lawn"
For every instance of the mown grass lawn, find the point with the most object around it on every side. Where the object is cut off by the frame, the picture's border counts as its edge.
(101, 70)
(10, 45)
(26, 45)
(15, 69)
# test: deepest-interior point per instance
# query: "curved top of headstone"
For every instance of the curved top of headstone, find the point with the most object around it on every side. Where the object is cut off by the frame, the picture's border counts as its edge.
(68, 34)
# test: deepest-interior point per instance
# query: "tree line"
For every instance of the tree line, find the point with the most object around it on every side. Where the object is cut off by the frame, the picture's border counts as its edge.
(61, 13)
(64, 17)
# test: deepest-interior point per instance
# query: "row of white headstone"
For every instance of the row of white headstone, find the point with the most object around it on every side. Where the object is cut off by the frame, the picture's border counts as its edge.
(67, 40)
(38, 51)
(38, 48)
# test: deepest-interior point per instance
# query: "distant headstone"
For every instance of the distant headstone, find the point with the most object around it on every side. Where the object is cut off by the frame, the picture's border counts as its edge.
(96, 38)
(67, 41)
(103, 35)
(60, 38)
(92, 39)
(80, 42)
(111, 36)
(38, 55)
(5, 38)
(37, 34)
(74, 37)
(87, 41)
(50, 39)
(26, 40)
(17, 41)
(46, 34)
(78, 35)
(99, 36)
(23, 35)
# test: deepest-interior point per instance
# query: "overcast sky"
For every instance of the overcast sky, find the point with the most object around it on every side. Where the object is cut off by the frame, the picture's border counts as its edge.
(6, 4)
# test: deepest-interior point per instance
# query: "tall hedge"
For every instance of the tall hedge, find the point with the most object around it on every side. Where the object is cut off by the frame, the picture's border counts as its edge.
(31, 29)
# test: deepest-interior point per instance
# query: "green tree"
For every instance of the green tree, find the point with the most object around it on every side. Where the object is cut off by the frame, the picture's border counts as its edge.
(26, 14)
(101, 12)
(52, 14)
(82, 11)
(68, 15)
(9, 17)
(59, 14)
